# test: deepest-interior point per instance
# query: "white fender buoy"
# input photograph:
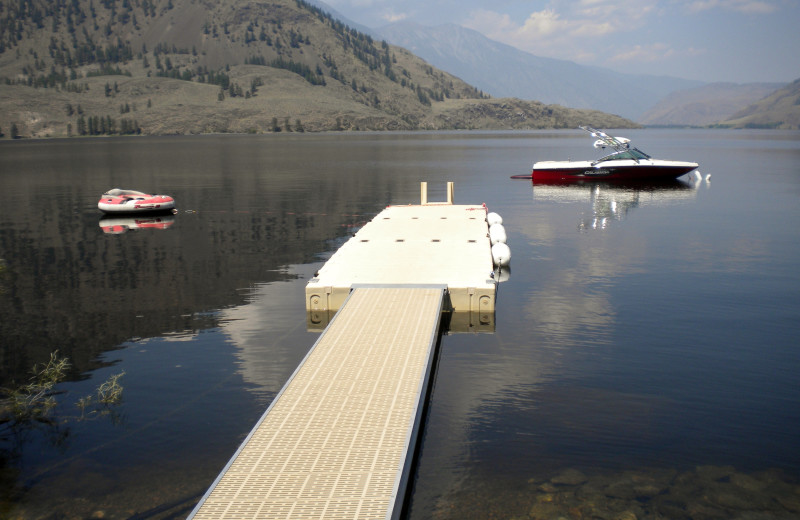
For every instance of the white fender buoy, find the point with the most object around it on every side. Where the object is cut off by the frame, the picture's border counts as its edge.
(497, 234)
(494, 218)
(501, 254)
(708, 176)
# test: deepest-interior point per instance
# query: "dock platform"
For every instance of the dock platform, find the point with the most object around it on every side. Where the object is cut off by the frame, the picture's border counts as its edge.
(429, 244)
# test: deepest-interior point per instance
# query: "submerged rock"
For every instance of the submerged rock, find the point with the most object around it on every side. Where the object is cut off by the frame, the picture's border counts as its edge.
(703, 493)
(569, 477)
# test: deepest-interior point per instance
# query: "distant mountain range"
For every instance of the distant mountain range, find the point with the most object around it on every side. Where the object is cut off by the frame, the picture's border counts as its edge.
(190, 66)
(504, 71)
(708, 104)
(501, 70)
(781, 109)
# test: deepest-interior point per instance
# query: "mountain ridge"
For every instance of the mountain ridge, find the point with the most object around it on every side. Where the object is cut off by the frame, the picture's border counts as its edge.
(779, 110)
(194, 66)
(707, 104)
(502, 70)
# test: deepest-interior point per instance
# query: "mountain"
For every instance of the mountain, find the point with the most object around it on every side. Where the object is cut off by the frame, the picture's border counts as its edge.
(505, 71)
(89, 67)
(707, 104)
(342, 18)
(781, 109)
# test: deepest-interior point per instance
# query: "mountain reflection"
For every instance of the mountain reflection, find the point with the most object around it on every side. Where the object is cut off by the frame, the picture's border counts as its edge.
(70, 286)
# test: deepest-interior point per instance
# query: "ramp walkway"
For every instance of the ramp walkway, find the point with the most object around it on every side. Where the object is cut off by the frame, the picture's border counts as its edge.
(338, 442)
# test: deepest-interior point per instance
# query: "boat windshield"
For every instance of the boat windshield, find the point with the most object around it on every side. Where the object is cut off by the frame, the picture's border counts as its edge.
(631, 153)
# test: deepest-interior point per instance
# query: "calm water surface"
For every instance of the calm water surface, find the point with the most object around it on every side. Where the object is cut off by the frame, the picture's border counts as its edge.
(645, 359)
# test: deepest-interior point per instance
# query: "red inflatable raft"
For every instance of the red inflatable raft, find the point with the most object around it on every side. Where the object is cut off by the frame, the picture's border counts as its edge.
(129, 201)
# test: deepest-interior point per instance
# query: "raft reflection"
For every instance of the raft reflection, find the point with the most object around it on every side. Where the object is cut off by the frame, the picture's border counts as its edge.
(119, 225)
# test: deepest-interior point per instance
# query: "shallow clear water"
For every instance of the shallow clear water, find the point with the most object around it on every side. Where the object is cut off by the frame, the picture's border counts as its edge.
(645, 333)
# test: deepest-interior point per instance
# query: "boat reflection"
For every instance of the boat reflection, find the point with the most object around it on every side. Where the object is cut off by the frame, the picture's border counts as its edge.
(612, 201)
(119, 225)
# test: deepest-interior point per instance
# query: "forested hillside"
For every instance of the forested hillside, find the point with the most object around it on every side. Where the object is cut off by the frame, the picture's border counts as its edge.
(92, 67)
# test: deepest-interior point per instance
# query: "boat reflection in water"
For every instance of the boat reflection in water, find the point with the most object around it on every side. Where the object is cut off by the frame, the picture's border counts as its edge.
(119, 225)
(612, 201)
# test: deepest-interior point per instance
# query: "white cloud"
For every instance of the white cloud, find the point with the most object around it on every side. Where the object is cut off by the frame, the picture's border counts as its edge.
(391, 16)
(564, 33)
(644, 53)
(543, 23)
(587, 31)
(342, 4)
(741, 6)
(364, 3)
(489, 21)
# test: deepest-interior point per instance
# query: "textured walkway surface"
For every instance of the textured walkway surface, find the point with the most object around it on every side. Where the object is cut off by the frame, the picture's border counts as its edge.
(338, 441)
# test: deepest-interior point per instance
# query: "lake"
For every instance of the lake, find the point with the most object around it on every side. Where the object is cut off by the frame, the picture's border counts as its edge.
(644, 362)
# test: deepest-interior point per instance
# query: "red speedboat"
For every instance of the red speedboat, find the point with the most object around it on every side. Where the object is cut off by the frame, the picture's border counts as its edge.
(129, 201)
(624, 163)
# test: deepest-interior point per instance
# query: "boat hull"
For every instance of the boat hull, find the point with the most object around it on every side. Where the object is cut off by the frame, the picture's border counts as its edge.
(622, 170)
(118, 202)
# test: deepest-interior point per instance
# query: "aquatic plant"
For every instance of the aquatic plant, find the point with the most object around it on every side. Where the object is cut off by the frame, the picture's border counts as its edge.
(108, 394)
(34, 400)
(26, 405)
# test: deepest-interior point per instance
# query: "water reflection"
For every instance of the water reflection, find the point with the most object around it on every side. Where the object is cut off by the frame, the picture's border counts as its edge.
(612, 202)
(68, 286)
(615, 351)
(265, 332)
(119, 225)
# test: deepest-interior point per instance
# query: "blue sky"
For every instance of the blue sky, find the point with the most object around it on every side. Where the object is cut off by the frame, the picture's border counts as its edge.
(738, 41)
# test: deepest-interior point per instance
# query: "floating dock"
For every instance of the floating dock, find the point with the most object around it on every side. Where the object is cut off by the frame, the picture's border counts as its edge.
(339, 440)
(438, 243)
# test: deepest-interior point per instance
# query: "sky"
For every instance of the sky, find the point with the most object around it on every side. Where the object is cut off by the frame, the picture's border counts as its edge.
(739, 41)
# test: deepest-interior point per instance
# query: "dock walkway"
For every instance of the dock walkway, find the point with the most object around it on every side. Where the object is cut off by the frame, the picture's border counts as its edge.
(338, 441)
